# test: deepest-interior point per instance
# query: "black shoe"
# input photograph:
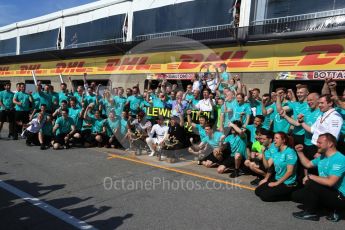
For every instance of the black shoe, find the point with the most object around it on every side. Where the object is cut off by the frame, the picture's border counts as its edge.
(43, 147)
(242, 172)
(15, 137)
(256, 181)
(28, 143)
(304, 215)
(334, 217)
(234, 174)
(67, 146)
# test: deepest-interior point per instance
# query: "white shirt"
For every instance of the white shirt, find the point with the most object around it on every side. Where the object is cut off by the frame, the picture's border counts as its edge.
(196, 85)
(204, 105)
(212, 83)
(142, 126)
(329, 122)
(160, 131)
(35, 125)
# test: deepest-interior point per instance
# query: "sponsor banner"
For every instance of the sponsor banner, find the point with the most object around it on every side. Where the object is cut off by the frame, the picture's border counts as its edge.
(321, 75)
(315, 75)
(166, 113)
(155, 112)
(324, 55)
(176, 76)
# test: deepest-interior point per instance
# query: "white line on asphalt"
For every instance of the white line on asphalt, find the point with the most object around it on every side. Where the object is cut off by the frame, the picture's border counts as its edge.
(46, 207)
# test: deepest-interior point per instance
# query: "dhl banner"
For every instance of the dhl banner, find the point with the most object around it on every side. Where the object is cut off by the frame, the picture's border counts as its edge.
(321, 55)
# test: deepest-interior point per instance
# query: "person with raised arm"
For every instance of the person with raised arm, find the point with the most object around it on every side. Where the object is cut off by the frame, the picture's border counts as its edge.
(326, 189)
(284, 182)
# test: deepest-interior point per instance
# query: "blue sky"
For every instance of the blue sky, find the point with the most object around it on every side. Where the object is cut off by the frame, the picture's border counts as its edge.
(18, 10)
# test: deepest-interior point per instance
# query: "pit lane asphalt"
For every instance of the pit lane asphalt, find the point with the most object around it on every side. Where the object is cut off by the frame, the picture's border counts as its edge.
(111, 189)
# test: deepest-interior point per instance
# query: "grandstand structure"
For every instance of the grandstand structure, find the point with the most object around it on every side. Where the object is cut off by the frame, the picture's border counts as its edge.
(261, 40)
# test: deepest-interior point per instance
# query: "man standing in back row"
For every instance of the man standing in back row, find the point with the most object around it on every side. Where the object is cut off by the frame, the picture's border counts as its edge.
(7, 108)
(329, 122)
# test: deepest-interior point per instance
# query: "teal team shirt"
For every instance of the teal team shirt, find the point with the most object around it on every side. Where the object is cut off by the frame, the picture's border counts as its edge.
(193, 103)
(269, 153)
(228, 105)
(214, 140)
(65, 125)
(40, 98)
(55, 99)
(97, 125)
(225, 77)
(280, 124)
(237, 145)
(158, 103)
(111, 126)
(107, 106)
(123, 126)
(23, 98)
(201, 131)
(332, 166)
(79, 99)
(134, 103)
(281, 160)
(238, 109)
(6, 97)
(310, 118)
(257, 105)
(47, 129)
(252, 130)
(63, 96)
(268, 118)
(298, 108)
(91, 99)
(119, 104)
(74, 113)
(143, 106)
(189, 96)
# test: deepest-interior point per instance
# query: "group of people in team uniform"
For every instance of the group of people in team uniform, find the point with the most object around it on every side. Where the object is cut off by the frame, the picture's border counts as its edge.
(293, 141)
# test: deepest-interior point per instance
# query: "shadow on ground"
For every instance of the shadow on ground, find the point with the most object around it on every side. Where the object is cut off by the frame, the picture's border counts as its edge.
(15, 213)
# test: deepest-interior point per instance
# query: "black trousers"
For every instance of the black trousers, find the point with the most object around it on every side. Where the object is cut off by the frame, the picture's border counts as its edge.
(309, 151)
(315, 195)
(298, 139)
(281, 192)
(32, 138)
(8, 116)
(20, 116)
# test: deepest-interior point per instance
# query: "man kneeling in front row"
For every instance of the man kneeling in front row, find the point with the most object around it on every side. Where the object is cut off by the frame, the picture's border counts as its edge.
(326, 190)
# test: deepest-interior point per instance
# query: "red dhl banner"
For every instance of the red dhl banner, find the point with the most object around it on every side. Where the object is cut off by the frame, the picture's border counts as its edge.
(301, 56)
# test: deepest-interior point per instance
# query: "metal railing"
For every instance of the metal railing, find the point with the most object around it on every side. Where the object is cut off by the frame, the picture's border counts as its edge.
(201, 33)
(330, 23)
(7, 54)
(301, 17)
(38, 50)
(96, 43)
